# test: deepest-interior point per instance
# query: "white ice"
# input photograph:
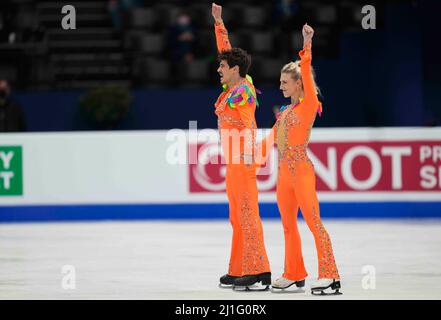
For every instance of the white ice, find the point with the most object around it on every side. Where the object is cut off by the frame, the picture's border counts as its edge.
(184, 259)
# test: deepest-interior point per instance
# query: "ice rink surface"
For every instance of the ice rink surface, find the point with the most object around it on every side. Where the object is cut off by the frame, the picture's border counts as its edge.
(184, 259)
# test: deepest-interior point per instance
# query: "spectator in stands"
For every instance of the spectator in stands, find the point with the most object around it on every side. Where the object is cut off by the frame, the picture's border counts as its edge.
(11, 114)
(181, 45)
(182, 39)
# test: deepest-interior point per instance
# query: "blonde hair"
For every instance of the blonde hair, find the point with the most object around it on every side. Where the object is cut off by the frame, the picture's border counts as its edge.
(293, 68)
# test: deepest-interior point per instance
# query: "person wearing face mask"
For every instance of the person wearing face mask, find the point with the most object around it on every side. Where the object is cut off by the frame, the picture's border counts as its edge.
(11, 114)
(183, 39)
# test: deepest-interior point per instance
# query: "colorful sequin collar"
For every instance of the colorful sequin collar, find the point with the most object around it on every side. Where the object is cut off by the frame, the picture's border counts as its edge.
(319, 108)
(241, 94)
(285, 107)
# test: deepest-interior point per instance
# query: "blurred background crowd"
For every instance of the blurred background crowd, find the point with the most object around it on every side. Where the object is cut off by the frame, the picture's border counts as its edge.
(140, 64)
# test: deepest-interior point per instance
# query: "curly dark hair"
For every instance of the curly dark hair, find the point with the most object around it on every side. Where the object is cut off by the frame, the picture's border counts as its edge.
(236, 57)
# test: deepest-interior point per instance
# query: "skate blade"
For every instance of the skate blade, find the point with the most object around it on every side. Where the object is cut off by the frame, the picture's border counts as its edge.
(323, 292)
(225, 286)
(289, 289)
(253, 287)
(296, 284)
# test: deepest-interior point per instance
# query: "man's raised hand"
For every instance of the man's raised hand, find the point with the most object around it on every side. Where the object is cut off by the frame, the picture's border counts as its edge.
(216, 11)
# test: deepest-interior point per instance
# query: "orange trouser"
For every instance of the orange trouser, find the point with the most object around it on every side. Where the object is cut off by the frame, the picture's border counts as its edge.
(248, 254)
(296, 188)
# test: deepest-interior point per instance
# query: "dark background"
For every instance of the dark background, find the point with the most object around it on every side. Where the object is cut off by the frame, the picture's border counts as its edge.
(389, 76)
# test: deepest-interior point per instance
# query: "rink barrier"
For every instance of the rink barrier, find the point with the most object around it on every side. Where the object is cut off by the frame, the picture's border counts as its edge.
(67, 176)
(350, 210)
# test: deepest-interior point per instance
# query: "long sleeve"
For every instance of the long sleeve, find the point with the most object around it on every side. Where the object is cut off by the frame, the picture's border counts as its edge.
(246, 113)
(308, 83)
(222, 41)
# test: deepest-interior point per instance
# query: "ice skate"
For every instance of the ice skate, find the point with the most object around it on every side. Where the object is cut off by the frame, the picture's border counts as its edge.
(320, 286)
(281, 284)
(227, 281)
(250, 282)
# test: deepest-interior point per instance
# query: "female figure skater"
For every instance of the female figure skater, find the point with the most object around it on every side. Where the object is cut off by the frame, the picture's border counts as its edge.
(296, 178)
(235, 109)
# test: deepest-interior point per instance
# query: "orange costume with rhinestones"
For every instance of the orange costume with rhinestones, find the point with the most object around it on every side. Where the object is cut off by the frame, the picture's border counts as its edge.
(235, 109)
(296, 179)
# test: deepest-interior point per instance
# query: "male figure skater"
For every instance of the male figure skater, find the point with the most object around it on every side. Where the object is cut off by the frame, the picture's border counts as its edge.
(235, 109)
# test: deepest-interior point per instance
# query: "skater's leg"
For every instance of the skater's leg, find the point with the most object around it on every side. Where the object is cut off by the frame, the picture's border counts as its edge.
(235, 265)
(307, 198)
(288, 207)
(255, 260)
(236, 257)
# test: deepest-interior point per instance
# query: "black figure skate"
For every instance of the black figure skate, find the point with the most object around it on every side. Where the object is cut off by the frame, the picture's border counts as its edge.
(227, 281)
(248, 282)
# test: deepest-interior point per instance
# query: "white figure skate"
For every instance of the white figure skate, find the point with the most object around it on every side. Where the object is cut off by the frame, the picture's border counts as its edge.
(281, 284)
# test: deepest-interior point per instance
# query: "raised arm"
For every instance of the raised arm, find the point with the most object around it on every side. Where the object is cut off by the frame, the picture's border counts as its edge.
(222, 41)
(305, 67)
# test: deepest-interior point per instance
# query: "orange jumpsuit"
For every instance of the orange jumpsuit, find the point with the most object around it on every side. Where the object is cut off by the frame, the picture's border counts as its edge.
(296, 179)
(235, 109)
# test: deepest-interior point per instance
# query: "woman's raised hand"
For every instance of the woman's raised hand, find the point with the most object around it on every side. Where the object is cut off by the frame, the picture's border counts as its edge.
(307, 33)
